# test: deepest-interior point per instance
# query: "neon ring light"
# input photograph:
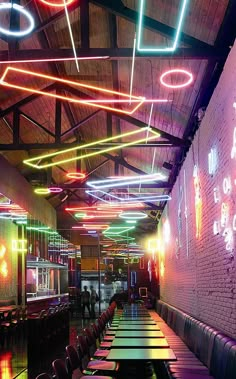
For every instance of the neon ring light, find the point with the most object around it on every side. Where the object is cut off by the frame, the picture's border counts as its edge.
(42, 191)
(55, 4)
(55, 189)
(176, 71)
(75, 175)
(133, 215)
(24, 12)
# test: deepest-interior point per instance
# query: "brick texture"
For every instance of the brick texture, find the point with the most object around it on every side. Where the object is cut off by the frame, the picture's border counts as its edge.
(199, 273)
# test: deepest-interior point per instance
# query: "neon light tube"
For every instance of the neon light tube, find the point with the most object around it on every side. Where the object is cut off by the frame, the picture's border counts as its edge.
(55, 4)
(55, 189)
(42, 191)
(93, 103)
(133, 215)
(71, 35)
(132, 68)
(140, 197)
(38, 165)
(176, 71)
(114, 230)
(75, 175)
(178, 30)
(119, 182)
(22, 11)
(95, 226)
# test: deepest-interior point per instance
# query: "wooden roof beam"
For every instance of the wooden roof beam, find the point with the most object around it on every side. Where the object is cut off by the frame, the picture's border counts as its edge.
(210, 53)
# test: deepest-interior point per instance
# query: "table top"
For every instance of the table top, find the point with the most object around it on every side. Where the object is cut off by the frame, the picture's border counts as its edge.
(162, 354)
(137, 322)
(139, 334)
(139, 342)
(134, 318)
(137, 327)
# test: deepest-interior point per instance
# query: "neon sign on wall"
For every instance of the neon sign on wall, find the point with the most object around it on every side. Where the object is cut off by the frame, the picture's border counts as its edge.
(3, 262)
(198, 201)
(212, 161)
(224, 226)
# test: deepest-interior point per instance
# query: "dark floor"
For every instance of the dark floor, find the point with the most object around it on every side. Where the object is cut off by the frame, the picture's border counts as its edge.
(19, 360)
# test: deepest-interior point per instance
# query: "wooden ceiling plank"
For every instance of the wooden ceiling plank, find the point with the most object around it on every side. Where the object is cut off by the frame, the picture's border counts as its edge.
(25, 101)
(27, 117)
(84, 24)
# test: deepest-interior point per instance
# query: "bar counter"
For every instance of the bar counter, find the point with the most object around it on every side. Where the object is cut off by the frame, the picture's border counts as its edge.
(36, 304)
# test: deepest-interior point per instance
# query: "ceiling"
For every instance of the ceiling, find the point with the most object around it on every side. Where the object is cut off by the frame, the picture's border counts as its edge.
(34, 124)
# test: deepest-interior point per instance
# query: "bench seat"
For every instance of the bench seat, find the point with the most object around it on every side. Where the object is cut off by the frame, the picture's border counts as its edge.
(202, 352)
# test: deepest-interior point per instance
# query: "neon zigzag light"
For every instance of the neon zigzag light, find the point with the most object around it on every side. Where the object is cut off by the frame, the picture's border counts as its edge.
(126, 181)
(152, 135)
(99, 103)
(140, 197)
(178, 30)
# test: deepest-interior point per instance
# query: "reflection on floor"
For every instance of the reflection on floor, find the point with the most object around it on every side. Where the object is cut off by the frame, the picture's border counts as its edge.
(13, 357)
(17, 362)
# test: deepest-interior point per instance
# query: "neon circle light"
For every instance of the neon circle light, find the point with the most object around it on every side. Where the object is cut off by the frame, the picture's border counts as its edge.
(75, 175)
(133, 215)
(42, 191)
(55, 4)
(176, 71)
(55, 189)
(24, 12)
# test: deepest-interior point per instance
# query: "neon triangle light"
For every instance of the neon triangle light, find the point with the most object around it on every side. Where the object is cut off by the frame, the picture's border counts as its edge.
(25, 76)
(126, 181)
(36, 162)
(178, 30)
(139, 197)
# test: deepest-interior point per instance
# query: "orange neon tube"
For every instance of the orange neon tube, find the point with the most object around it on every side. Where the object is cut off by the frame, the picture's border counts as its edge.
(22, 74)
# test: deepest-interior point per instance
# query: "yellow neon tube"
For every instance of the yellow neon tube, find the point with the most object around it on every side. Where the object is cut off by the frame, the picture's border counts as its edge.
(37, 160)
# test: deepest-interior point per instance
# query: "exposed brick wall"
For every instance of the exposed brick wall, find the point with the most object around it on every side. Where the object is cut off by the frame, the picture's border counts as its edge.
(200, 275)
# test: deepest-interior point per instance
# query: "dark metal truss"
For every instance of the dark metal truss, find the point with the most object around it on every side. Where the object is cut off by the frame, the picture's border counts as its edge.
(170, 140)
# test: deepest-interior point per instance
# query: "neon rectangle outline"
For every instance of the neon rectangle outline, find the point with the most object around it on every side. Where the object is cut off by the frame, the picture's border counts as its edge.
(91, 102)
(29, 161)
(126, 181)
(131, 199)
(178, 29)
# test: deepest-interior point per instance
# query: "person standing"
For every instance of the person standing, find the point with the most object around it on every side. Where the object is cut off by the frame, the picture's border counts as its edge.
(85, 301)
(93, 300)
